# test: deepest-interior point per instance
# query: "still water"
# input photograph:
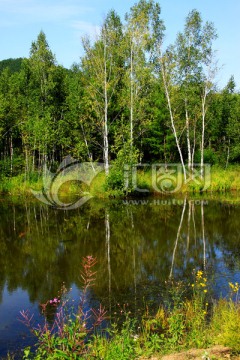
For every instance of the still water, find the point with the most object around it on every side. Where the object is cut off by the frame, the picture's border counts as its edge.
(138, 245)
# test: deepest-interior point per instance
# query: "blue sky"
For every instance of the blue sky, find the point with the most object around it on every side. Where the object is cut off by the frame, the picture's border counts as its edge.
(65, 22)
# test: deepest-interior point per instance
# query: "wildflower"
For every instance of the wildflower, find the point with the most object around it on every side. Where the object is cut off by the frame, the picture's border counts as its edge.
(135, 337)
(205, 290)
(231, 285)
(235, 287)
(55, 301)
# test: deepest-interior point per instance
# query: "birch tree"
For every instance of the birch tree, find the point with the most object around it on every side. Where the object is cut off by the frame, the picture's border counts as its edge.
(167, 65)
(101, 67)
(139, 42)
(188, 71)
(195, 75)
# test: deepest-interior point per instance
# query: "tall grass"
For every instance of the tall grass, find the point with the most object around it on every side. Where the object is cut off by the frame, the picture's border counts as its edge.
(19, 184)
(147, 183)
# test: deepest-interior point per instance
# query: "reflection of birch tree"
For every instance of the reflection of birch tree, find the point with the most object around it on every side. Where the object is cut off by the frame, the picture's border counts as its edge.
(194, 223)
(191, 218)
(134, 265)
(191, 225)
(178, 236)
(203, 235)
(107, 233)
(189, 222)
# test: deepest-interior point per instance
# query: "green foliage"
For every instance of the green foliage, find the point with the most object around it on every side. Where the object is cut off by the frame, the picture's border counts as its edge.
(210, 157)
(126, 157)
(121, 346)
(16, 164)
(115, 179)
(14, 65)
(112, 106)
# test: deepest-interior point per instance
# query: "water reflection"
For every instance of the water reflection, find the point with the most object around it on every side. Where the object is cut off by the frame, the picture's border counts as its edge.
(178, 235)
(138, 247)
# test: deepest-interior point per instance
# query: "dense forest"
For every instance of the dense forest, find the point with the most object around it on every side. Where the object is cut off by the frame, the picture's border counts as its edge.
(130, 99)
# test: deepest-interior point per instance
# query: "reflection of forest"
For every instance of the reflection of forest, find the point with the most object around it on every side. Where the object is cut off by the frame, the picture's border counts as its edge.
(41, 247)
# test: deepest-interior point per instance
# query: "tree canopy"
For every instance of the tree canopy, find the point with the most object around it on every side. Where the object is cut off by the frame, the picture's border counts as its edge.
(129, 99)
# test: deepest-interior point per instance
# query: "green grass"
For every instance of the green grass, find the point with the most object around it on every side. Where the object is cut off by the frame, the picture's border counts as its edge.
(222, 181)
(19, 185)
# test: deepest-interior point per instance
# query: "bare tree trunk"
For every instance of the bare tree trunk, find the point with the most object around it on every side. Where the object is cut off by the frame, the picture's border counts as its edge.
(26, 163)
(39, 157)
(194, 146)
(172, 120)
(11, 154)
(203, 129)
(131, 99)
(188, 138)
(105, 124)
(228, 153)
(34, 151)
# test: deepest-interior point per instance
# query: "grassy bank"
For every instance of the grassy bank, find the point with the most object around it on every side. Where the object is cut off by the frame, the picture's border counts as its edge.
(188, 318)
(221, 181)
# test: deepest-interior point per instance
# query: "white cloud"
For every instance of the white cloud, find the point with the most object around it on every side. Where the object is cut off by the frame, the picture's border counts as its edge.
(28, 11)
(85, 28)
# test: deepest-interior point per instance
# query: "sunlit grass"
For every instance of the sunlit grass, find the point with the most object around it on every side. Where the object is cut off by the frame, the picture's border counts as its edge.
(222, 181)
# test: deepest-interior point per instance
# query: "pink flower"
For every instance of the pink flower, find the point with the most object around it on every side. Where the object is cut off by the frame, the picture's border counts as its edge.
(54, 301)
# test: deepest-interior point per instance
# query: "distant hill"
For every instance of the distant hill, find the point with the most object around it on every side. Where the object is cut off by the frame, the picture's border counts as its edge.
(14, 65)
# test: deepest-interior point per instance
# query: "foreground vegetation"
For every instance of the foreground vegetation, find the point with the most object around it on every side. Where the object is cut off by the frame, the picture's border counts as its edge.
(187, 319)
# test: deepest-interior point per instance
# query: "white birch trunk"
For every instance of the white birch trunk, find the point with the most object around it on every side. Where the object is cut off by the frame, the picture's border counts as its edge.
(105, 123)
(11, 154)
(131, 98)
(172, 120)
(203, 130)
(194, 145)
(188, 139)
(228, 153)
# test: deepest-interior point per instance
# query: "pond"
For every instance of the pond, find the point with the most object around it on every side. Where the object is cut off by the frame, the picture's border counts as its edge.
(139, 245)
